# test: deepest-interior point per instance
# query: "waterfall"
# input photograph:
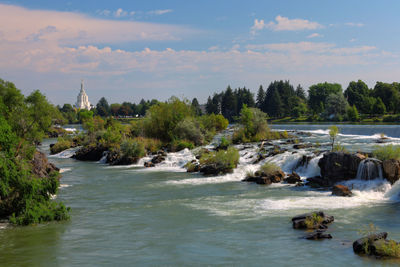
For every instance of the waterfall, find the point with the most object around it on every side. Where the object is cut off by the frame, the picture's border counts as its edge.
(103, 159)
(369, 169)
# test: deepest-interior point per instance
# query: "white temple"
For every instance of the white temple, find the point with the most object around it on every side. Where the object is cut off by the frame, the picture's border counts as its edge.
(82, 101)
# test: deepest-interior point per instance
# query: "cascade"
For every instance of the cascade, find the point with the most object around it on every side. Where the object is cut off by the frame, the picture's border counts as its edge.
(369, 169)
(103, 159)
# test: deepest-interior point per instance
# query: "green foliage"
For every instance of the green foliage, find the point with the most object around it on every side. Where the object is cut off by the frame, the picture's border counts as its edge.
(318, 93)
(224, 143)
(178, 145)
(333, 132)
(389, 248)
(132, 149)
(313, 221)
(269, 168)
(379, 107)
(189, 129)
(190, 166)
(352, 113)
(335, 106)
(61, 145)
(150, 144)
(223, 159)
(253, 126)
(387, 152)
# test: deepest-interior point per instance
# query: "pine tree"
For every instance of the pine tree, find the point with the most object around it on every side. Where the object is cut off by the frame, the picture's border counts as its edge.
(260, 98)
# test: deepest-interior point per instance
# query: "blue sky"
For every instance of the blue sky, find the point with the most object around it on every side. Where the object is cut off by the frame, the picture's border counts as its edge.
(128, 50)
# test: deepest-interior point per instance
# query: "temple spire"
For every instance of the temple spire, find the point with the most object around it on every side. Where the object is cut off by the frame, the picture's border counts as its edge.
(82, 90)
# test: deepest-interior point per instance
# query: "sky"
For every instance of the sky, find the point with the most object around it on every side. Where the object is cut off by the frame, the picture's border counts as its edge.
(129, 50)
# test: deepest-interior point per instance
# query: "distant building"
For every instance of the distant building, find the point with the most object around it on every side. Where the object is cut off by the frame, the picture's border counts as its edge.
(82, 101)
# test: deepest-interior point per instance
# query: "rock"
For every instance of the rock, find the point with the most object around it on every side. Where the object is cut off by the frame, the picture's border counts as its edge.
(213, 169)
(304, 161)
(293, 178)
(260, 157)
(302, 146)
(391, 170)
(366, 244)
(339, 166)
(299, 184)
(41, 166)
(90, 153)
(149, 164)
(341, 190)
(266, 179)
(318, 234)
(158, 159)
(318, 182)
(299, 221)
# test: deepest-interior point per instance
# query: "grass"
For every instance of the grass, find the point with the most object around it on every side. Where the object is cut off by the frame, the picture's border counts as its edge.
(223, 159)
(269, 168)
(388, 248)
(313, 221)
(387, 152)
(61, 145)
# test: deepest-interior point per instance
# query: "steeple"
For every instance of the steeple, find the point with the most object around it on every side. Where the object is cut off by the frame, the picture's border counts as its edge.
(82, 101)
(82, 90)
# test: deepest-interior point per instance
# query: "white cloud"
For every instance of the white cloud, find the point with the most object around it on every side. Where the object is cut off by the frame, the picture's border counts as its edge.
(285, 24)
(352, 40)
(120, 13)
(159, 11)
(353, 24)
(314, 35)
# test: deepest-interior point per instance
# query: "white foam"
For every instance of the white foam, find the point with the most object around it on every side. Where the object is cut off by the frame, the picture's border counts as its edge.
(66, 153)
(62, 170)
(64, 185)
(71, 129)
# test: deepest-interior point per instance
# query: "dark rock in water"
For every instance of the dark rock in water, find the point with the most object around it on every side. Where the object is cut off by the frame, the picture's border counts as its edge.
(367, 245)
(304, 161)
(391, 170)
(260, 157)
(341, 190)
(339, 166)
(149, 164)
(213, 169)
(158, 159)
(301, 146)
(90, 153)
(264, 178)
(293, 178)
(299, 184)
(299, 221)
(318, 182)
(41, 166)
(318, 234)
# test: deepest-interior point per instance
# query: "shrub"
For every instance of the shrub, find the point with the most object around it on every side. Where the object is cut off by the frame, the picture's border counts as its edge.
(178, 145)
(189, 129)
(190, 166)
(150, 144)
(132, 149)
(61, 145)
(313, 221)
(224, 143)
(213, 122)
(386, 152)
(223, 159)
(269, 168)
(388, 248)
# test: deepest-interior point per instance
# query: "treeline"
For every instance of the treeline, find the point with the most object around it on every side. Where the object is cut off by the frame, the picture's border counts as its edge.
(27, 181)
(323, 101)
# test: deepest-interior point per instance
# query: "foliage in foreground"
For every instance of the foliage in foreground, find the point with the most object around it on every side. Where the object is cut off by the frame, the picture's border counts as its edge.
(387, 152)
(25, 198)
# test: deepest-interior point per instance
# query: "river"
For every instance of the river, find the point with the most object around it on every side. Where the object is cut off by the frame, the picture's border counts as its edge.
(132, 216)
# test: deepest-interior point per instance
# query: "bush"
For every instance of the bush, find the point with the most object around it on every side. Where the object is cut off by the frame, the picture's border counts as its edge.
(150, 144)
(61, 145)
(269, 168)
(387, 152)
(224, 143)
(132, 149)
(213, 122)
(189, 129)
(388, 248)
(225, 160)
(253, 124)
(190, 166)
(313, 221)
(178, 145)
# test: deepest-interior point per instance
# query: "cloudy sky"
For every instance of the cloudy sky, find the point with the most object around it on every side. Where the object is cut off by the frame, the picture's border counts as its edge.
(128, 50)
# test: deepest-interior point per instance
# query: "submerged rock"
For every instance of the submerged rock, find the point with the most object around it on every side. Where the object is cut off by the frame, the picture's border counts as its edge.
(391, 170)
(149, 164)
(265, 178)
(312, 220)
(339, 166)
(318, 234)
(341, 190)
(318, 182)
(293, 178)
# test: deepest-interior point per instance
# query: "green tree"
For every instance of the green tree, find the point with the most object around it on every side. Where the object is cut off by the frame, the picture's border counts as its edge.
(318, 93)
(352, 113)
(260, 97)
(300, 92)
(228, 104)
(103, 109)
(196, 107)
(333, 133)
(389, 94)
(357, 94)
(379, 107)
(336, 105)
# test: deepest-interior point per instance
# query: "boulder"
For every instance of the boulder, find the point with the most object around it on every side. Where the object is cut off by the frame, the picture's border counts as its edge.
(213, 169)
(318, 234)
(299, 221)
(264, 178)
(366, 245)
(304, 161)
(391, 170)
(293, 178)
(158, 159)
(302, 146)
(90, 153)
(339, 166)
(318, 182)
(149, 164)
(341, 190)
(41, 166)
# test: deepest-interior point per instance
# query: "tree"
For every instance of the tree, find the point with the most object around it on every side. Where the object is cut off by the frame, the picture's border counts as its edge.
(103, 109)
(352, 113)
(379, 107)
(114, 108)
(228, 104)
(336, 105)
(357, 94)
(389, 94)
(333, 132)
(300, 92)
(260, 97)
(196, 107)
(318, 93)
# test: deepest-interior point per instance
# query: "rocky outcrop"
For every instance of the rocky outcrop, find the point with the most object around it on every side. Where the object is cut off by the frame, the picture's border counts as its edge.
(158, 159)
(302, 146)
(377, 245)
(318, 182)
(339, 166)
(312, 220)
(40, 165)
(293, 178)
(214, 169)
(90, 153)
(341, 190)
(149, 164)
(265, 178)
(115, 158)
(391, 170)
